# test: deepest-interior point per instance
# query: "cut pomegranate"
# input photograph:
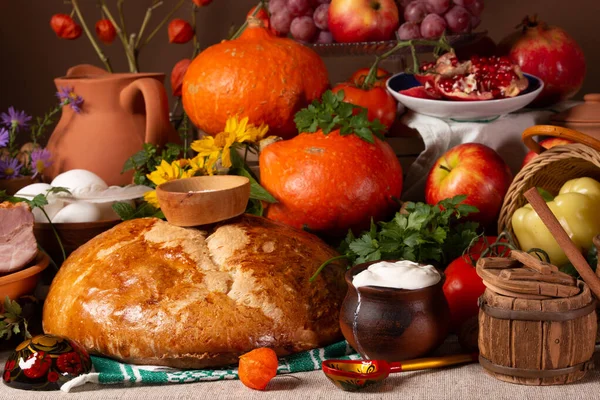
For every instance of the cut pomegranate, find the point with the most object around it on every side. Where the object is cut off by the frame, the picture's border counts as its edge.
(480, 78)
(422, 93)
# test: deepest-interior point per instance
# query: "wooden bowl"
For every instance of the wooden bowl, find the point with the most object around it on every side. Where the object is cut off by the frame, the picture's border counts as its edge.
(72, 235)
(23, 282)
(203, 200)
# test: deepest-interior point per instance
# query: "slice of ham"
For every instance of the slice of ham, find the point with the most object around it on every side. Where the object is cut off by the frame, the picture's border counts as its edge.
(18, 246)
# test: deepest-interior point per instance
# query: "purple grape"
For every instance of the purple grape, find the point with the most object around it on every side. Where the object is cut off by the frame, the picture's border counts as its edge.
(276, 5)
(324, 37)
(409, 30)
(281, 21)
(463, 3)
(475, 21)
(303, 28)
(437, 6)
(476, 8)
(404, 3)
(433, 26)
(415, 12)
(317, 3)
(321, 16)
(458, 19)
(298, 8)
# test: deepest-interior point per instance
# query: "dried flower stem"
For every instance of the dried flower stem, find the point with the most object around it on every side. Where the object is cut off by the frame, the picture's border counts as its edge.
(147, 17)
(161, 24)
(122, 16)
(101, 54)
(128, 50)
(195, 42)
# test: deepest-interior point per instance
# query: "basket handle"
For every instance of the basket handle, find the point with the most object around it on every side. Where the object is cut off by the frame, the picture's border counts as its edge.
(558, 132)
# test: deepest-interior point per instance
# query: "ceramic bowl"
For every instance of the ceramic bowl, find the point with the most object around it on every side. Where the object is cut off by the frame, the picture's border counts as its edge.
(461, 110)
(72, 235)
(45, 362)
(393, 324)
(203, 200)
(23, 282)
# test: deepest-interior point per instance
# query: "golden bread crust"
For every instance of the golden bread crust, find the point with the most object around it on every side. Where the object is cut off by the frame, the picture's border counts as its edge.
(147, 292)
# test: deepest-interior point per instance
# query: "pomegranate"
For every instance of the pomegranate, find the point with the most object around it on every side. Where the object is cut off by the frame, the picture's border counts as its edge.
(422, 92)
(480, 78)
(549, 53)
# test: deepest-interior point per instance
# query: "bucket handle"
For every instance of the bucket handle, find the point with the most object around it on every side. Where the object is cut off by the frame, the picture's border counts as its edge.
(557, 132)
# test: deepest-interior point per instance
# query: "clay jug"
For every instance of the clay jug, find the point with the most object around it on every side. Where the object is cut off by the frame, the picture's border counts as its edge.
(120, 112)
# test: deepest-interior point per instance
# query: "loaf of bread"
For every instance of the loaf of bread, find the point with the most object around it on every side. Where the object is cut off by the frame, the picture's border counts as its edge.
(147, 292)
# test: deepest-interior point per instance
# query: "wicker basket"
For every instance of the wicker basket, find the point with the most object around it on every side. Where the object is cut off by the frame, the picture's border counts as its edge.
(551, 169)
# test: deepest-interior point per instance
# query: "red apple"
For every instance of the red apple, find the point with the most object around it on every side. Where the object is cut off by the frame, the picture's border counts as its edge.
(363, 20)
(474, 170)
(547, 144)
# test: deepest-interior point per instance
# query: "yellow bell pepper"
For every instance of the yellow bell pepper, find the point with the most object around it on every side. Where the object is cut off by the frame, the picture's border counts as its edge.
(577, 208)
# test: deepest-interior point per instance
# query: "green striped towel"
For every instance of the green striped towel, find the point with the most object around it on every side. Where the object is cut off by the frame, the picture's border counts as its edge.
(108, 371)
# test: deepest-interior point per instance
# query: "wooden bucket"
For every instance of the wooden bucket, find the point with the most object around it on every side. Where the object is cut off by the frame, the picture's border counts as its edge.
(537, 342)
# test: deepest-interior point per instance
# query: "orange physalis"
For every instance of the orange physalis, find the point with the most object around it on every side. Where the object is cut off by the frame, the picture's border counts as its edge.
(258, 367)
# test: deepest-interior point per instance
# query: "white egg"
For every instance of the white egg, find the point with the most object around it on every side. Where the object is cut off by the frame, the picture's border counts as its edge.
(33, 190)
(79, 211)
(78, 179)
(55, 204)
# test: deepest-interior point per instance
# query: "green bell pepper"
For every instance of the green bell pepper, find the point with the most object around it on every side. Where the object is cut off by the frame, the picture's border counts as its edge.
(577, 208)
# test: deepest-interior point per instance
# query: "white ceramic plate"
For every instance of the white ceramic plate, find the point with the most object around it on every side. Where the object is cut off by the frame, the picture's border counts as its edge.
(461, 110)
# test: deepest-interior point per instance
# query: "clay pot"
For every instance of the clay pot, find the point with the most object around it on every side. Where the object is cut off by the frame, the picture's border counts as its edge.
(119, 114)
(394, 324)
(12, 186)
(584, 118)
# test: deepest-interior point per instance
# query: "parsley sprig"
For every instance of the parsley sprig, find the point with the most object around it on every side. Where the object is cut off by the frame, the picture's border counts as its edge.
(12, 320)
(420, 232)
(332, 113)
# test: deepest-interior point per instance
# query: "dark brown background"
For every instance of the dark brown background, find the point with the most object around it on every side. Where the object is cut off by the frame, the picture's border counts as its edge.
(31, 55)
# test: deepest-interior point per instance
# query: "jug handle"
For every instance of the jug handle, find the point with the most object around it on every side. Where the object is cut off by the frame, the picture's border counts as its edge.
(558, 132)
(157, 107)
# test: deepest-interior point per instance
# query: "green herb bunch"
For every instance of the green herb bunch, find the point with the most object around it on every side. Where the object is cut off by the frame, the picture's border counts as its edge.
(420, 232)
(12, 321)
(332, 113)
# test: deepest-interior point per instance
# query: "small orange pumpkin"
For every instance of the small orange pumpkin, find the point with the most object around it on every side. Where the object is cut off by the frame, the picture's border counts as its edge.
(259, 76)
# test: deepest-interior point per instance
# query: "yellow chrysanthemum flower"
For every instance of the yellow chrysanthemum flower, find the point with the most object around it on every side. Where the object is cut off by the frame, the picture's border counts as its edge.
(166, 172)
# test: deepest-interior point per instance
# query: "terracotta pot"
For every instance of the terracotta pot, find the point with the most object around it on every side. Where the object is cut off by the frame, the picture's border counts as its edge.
(12, 186)
(394, 324)
(23, 282)
(119, 114)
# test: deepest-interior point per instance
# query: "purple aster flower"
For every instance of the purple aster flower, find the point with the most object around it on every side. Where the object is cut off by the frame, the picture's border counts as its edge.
(15, 119)
(10, 168)
(40, 160)
(3, 137)
(66, 95)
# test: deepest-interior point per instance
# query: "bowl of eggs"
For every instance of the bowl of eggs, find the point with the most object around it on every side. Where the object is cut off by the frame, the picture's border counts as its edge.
(78, 215)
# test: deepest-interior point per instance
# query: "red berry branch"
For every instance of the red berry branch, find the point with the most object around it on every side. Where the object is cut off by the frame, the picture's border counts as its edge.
(108, 28)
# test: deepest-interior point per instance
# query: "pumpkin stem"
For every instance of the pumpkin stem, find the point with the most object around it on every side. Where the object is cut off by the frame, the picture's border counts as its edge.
(251, 21)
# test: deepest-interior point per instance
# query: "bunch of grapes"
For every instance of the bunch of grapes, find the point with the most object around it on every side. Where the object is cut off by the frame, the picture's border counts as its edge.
(428, 19)
(304, 20)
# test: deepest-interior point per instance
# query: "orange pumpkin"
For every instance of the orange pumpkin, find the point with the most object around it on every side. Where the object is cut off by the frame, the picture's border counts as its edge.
(259, 76)
(330, 183)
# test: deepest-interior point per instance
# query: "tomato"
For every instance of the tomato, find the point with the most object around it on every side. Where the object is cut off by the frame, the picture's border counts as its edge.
(379, 103)
(358, 78)
(463, 286)
(462, 289)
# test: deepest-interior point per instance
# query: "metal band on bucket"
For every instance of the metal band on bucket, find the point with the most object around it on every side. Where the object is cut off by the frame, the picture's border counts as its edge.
(526, 315)
(534, 373)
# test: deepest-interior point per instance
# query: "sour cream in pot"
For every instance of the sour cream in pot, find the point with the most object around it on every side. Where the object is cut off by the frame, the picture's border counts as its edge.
(398, 275)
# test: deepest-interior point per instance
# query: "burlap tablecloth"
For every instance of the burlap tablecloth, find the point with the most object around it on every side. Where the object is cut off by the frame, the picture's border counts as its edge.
(461, 383)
